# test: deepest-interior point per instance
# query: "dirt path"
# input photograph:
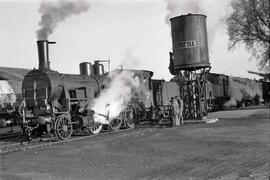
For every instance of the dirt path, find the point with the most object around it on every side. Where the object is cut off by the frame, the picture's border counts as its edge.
(236, 147)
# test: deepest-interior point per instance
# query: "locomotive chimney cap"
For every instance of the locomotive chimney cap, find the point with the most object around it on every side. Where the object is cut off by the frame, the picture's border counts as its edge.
(49, 42)
(43, 54)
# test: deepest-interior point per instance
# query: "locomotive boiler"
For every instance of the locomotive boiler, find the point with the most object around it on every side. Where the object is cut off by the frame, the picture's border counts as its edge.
(56, 103)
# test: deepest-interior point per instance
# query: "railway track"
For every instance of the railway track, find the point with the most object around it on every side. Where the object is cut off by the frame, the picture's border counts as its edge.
(13, 144)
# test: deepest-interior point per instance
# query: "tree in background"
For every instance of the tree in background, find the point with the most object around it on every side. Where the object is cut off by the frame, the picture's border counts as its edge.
(249, 24)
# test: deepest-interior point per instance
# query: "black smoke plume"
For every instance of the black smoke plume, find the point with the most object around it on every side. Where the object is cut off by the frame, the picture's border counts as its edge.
(54, 12)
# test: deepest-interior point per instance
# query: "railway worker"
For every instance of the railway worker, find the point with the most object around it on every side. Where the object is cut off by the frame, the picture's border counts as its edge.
(175, 112)
(181, 107)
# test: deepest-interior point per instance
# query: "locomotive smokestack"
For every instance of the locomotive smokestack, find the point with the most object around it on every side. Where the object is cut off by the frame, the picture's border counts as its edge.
(43, 55)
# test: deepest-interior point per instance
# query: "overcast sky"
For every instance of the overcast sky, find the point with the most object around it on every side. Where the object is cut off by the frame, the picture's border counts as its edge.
(132, 33)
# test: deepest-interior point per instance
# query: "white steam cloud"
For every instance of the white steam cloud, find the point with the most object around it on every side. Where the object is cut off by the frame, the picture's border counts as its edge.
(177, 8)
(54, 12)
(130, 60)
(117, 96)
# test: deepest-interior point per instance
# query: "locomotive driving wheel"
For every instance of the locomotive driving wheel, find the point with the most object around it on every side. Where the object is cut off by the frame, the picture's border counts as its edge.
(63, 127)
(95, 128)
(116, 123)
(129, 116)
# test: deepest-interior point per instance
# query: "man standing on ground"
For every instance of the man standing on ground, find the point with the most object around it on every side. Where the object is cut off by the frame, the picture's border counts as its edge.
(181, 107)
(175, 109)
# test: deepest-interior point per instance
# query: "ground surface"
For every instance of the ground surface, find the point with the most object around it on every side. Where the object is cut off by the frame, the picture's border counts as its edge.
(235, 147)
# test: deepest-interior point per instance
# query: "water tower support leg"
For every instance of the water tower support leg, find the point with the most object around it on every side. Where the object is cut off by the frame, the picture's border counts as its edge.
(193, 92)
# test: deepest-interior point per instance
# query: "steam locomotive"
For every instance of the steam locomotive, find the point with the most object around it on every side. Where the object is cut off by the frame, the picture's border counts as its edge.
(55, 102)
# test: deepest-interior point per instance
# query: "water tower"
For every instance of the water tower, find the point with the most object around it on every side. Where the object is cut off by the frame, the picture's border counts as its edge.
(189, 62)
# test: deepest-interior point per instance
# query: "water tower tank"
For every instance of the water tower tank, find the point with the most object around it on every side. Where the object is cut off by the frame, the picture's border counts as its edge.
(189, 39)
